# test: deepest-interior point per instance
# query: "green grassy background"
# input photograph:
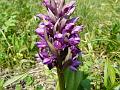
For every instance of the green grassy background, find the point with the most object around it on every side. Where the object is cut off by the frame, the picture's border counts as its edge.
(100, 39)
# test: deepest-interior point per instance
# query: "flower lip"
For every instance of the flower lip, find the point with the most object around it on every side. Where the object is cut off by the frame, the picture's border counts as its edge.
(47, 61)
(48, 24)
(74, 40)
(40, 31)
(57, 45)
(75, 64)
(75, 50)
(41, 25)
(77, 29)
(41, 44)
(69, 26)
(44, 54)
(58, 35)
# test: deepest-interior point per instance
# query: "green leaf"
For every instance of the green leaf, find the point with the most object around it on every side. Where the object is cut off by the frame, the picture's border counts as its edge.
(39, 87)
(86, 84)
(1, 82)
(117, 71)
(78, 76)
(69, 79)
(18, 87)
(1, 88)
(106, 73)
(57, 86)
(14, 79)
(73, 79)
(111, 73)
(29, 80)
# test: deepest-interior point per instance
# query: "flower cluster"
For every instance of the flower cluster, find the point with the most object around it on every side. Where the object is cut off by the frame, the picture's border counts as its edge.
(59, 35)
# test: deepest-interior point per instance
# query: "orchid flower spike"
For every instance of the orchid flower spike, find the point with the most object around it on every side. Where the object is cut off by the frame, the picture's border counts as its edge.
(59, 35)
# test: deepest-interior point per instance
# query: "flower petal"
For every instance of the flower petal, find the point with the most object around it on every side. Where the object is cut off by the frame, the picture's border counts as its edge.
(77, 29)
(58, 36)
(43, 17)
(74, 41)
(44, 54)
(69, 26)
(73, 20)
(73, 68)
(75, 50)
(40, 31)
(67, 8)
(76, 63)
(57, 45)
(71, 11)
(46, 3)
(41, 44)
(47, 61)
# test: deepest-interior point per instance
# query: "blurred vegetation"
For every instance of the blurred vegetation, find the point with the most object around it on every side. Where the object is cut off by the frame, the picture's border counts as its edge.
(17, 25)
(100, 40)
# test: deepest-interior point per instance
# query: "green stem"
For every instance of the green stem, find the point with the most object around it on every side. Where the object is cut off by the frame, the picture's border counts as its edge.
(61, 79)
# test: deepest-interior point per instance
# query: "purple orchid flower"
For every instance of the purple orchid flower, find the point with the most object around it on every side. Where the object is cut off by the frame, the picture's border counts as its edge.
(59, 35)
